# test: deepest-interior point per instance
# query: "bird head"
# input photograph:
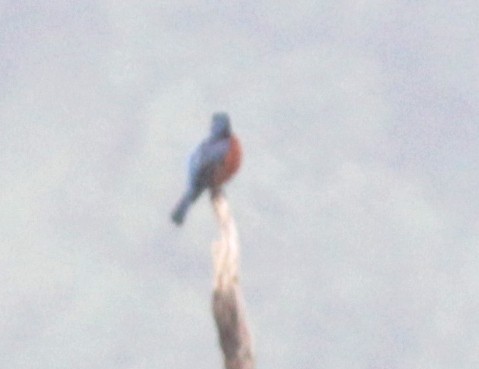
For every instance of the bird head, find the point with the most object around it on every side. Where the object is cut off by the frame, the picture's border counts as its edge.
(220, 125)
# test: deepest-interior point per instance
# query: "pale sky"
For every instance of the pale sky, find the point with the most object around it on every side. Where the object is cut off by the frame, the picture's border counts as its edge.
(356, 202)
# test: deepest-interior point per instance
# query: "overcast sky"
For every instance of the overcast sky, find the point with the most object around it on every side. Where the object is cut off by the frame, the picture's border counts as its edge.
(357, 202)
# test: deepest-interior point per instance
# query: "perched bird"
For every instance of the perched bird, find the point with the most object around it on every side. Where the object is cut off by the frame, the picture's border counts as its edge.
(212, 163)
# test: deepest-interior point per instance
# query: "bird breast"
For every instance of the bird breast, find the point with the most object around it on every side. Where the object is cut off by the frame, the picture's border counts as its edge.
(231, 162)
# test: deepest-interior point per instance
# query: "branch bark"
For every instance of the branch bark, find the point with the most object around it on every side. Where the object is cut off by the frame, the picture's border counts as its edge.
(228, 302)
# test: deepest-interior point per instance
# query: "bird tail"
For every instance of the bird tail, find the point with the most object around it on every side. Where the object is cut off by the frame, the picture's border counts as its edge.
(179, 212)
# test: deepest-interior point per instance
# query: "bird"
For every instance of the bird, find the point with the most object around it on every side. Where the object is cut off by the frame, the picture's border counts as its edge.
(213, 162)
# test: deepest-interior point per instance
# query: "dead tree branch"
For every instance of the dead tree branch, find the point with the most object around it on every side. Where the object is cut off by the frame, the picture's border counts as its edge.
(228, 301)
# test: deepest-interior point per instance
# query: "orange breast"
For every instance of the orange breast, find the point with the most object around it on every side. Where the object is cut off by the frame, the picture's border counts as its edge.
(231, 163)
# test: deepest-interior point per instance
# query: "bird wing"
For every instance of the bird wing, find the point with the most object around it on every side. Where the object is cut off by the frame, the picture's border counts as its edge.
(204, 159)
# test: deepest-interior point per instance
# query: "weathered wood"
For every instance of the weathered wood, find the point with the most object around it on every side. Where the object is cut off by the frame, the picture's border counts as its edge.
(228, 301)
